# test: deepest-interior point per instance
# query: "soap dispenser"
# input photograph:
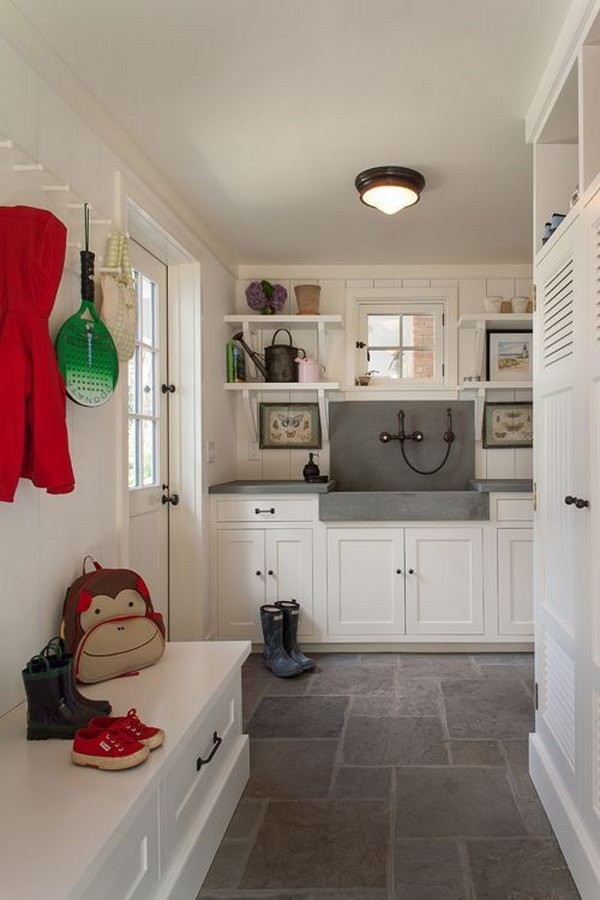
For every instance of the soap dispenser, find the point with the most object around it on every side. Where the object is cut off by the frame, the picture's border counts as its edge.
(311, 470)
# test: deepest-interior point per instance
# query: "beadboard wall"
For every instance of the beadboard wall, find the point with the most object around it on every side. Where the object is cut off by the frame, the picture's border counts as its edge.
(43, 538)
(472, 284)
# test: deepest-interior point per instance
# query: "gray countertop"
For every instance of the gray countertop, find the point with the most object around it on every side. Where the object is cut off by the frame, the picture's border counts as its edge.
(271, 487)
(503, 485)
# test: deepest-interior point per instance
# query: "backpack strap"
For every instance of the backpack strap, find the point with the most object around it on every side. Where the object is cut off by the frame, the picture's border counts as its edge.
(95, 564)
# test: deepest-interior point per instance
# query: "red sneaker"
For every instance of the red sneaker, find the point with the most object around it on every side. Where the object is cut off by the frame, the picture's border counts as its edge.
(131, 727)
(107, 749)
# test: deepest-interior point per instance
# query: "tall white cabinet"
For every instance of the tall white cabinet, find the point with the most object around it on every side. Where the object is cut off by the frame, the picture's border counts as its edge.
(565, 749)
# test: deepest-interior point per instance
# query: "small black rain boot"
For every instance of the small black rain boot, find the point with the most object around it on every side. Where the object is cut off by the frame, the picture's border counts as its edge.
(54, 652)
(274, 655)
(52, 711)
(291, 611)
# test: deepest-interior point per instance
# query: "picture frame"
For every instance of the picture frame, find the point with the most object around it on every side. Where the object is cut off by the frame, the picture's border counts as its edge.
(507, 425)
(289, 426)
(509, 356)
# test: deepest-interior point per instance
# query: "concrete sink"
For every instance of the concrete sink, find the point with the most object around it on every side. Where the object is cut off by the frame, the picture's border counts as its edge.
(394, 506)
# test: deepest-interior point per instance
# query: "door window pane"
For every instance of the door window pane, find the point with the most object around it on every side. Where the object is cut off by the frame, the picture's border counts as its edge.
(148, 311)
(143, 396)
(133, 453)
(148, 385)
(149, 451)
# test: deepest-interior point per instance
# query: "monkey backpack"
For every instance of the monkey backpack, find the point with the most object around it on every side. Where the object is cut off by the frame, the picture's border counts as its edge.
(109, 624)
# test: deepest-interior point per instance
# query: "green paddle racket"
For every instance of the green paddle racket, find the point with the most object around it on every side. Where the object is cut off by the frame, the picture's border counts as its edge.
(87, 356)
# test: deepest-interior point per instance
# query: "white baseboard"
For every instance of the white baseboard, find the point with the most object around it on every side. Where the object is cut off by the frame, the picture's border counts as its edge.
(399, 647)
(570, 829)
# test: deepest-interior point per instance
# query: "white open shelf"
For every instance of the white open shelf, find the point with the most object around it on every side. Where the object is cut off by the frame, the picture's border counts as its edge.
(282, 386)
(489, 321)
(249, 389)
(496, 385)
(258, 322)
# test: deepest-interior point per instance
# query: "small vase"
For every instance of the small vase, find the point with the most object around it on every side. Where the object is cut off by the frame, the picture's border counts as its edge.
(308, 297)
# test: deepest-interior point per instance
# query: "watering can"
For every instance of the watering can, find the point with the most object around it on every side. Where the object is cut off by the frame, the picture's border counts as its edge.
(279, 361)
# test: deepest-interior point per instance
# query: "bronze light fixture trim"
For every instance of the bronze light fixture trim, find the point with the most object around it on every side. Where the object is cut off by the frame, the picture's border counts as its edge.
(389, 188)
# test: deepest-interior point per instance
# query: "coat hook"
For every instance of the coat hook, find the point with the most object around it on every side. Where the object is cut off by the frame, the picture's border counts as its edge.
(6, 145)
(100, 221)
(28, 167)
(56, 188)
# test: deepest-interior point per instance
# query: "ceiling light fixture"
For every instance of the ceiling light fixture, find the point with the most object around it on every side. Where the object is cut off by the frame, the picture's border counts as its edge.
(389, 188)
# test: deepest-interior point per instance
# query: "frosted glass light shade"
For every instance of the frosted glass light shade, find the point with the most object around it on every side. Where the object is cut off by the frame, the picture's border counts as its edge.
(389, 188)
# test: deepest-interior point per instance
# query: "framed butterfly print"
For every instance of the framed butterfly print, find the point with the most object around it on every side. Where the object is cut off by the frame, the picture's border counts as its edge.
(507, 425)
(289, 426)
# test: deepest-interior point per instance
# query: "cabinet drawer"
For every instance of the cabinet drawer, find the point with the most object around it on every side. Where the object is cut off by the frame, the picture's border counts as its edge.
(190, 791)
(131, 870)
(273, 510)
(517, 510)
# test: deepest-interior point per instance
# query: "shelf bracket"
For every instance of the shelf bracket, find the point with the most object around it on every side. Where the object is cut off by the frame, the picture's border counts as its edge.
(251, 410)
(324, 414)
(321, 346)
(479, 409)
(480, 339)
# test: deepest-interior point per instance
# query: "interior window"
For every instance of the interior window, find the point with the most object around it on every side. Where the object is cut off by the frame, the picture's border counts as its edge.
(401, 342)
(143, 384)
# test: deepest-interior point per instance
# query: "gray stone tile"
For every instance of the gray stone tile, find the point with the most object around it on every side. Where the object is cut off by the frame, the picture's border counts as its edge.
(304, 717)
(259, 678)
(363, 783)
(358, 894)
(290, 769)
(454, 801)
(415, 697)
(517, 755)
(245, 821)
(372, 680)
(488, 708)
(437, 665)
(390, 741)
(375, 658)
(503, 659)
(321, 844)
(536, 821)
(428, 869)
(476, 753)
(212, 894)
(227, 867)
(523, 869)
(327, 660)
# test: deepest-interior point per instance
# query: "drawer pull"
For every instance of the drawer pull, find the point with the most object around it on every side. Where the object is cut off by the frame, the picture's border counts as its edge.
(217, 741)
(258, 511)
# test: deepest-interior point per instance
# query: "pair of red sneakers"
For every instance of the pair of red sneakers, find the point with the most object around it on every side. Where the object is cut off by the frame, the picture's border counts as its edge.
(115, 742)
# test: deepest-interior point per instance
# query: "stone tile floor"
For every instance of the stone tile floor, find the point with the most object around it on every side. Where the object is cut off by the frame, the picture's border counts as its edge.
(390, 777)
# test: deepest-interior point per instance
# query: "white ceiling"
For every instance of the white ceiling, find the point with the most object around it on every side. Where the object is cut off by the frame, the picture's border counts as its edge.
(261, 113)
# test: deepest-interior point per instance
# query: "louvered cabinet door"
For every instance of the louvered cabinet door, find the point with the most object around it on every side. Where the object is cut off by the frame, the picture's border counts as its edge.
(561, 528)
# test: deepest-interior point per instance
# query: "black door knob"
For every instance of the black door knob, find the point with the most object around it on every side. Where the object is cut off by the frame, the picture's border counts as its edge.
(173, 499)
(411, 571)
(398, 571)
(270, 572)
(581, 504)
(168, 388)
(570, 500)
(258, 572)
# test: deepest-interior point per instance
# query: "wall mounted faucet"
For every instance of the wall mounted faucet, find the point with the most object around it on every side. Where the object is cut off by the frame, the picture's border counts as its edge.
(417, 436)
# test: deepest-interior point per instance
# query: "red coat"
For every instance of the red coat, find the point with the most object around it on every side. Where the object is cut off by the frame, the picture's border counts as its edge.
(33, 430)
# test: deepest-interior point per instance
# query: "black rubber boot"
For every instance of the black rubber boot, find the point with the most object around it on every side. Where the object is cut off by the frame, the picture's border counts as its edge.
(52, 711)
(291, 611)
(54, 652)
(274, 655)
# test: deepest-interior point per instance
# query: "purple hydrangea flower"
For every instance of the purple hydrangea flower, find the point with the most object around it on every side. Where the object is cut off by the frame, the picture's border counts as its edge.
(262, 295)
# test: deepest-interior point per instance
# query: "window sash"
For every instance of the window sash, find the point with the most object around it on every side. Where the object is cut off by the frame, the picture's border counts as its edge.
(402, 309)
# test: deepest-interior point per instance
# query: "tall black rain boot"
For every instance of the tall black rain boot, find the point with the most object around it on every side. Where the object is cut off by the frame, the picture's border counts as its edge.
(274, 655)
(291, 611)
(54, 652)
(52, 712)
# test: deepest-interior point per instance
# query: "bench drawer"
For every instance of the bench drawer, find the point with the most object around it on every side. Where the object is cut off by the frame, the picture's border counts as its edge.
(194, 780)
(265, 510)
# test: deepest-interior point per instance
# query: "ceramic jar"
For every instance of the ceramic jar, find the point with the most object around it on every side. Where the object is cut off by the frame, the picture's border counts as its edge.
(308, 297)
(492, 304)
(520, 304)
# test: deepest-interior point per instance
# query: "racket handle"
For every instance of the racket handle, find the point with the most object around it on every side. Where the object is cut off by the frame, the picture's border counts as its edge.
(87, 275)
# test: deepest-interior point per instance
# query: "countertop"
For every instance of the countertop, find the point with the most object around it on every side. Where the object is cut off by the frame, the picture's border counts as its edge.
(503, 485)
(271, 487)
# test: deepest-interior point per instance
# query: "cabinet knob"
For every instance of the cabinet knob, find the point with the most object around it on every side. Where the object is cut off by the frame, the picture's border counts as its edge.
(398, 571)
(270, 572)
(570, 500)
(258, 572)
(411, 571)
(582, 504)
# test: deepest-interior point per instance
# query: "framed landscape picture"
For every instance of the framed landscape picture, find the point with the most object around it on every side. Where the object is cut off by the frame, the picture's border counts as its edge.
(507, 425)
(509, 355)
(289, 426)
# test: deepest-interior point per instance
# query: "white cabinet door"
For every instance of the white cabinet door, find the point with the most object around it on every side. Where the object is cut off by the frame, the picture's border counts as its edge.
(444, 581)
(240, 582)
(515, 581)
(289, 570)
(365, 580)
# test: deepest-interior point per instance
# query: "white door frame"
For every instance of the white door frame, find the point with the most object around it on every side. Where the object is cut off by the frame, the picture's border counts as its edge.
(185, 420)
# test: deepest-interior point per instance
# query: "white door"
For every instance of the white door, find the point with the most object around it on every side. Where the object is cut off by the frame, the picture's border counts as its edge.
(515, 581)
(560, 529)
(365, 580)
(241, 582)
(289, 562)
(444, 581)
(148, 444)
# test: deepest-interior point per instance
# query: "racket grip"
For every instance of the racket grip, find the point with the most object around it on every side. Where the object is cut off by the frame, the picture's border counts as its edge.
(87, 275)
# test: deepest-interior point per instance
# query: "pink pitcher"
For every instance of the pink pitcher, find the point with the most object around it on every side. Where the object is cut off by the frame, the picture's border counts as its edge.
(309, 370)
